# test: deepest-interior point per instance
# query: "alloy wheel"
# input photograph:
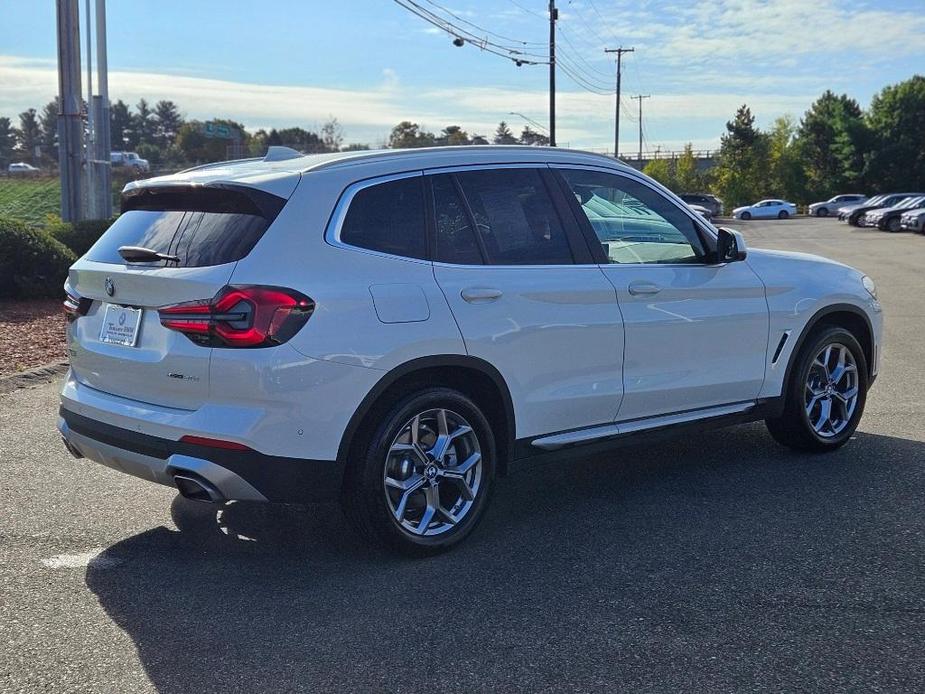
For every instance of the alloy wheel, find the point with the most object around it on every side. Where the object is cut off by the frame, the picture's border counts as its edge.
(831, 390)
(433, 472)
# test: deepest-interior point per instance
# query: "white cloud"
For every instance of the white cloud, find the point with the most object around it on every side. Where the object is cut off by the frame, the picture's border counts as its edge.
(367, 115)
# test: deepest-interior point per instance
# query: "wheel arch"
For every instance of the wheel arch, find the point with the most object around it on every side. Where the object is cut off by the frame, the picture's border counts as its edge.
(473, 377)
(847, 316)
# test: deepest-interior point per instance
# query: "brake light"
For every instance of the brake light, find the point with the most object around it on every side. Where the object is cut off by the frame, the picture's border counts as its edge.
(75, 306)
(241, 316)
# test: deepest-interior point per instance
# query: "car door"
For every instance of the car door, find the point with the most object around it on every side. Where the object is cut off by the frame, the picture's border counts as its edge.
(505, 258)
(767, 209)
(696, 333)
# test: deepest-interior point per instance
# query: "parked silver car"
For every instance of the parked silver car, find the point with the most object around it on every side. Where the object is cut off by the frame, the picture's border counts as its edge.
(827, 207)
(913, 220)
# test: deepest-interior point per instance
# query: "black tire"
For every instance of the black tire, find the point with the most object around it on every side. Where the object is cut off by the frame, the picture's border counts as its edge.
(746, 216)
(822, 212)
(366, 500)
(893, 224)
(793, 428)
(783, 214)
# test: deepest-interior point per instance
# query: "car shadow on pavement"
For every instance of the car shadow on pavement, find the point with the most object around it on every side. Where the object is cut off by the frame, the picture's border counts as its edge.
(721, 561)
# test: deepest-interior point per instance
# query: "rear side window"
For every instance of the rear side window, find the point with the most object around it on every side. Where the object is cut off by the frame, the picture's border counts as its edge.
(200, 227)
(516, 218)
(456, 242)
(389, 218)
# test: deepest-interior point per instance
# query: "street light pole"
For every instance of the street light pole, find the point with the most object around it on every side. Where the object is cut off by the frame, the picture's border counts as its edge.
(529, 120)
(616, 126)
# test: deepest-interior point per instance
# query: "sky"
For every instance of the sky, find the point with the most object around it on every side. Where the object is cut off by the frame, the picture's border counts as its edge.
(372, 64)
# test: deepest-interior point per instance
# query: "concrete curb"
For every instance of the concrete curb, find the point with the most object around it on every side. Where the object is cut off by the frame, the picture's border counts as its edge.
(32, 377)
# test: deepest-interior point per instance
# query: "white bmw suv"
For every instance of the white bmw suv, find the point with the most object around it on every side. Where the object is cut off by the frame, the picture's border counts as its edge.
(397, 328)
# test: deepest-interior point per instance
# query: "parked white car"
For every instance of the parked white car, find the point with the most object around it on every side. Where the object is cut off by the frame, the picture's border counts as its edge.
(766, 209)
(21, 168)
(702, 211)
(827, 207)
(395, 329)
(130, 160)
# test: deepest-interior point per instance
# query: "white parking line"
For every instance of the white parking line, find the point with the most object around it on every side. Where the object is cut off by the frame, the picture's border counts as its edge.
(79, 561)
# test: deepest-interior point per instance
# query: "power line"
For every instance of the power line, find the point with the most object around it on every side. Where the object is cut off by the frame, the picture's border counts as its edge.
(578, 55)
(526, 9)
(482, 29)
(603, 21)
(515, 55)
(587, 24)
(580, 81)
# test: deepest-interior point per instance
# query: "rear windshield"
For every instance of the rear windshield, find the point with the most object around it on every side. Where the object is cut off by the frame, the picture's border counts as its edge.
(201, 230)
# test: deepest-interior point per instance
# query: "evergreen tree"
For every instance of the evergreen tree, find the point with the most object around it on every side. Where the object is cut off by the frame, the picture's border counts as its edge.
(742, 175)
(144, 122)
(167, 123)
(7, 141)
(29, 134)
(49, 126)
(122, 127)
(503, 135)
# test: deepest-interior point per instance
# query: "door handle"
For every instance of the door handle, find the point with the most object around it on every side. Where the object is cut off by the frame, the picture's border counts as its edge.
(643, 288)
(479, 295)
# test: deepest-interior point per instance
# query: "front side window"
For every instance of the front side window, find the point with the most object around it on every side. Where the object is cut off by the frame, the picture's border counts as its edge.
(389, 218)
(515, 217)
(634, 223)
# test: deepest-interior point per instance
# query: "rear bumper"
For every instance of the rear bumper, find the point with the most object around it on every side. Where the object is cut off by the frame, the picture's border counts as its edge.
(234, 475)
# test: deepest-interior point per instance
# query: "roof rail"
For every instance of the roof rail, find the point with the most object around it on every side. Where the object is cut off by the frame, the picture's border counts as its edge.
(279, 153)
(217, 164)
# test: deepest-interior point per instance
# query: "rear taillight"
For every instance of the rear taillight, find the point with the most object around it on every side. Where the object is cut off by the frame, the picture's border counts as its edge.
(75, 306)
(241, 316)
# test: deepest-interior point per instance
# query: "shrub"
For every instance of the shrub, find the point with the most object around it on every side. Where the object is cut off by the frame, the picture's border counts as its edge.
(32, 263)
(78, 236)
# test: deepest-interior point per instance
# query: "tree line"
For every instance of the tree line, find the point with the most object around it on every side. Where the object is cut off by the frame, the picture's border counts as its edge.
(836, 147)
(160, 134)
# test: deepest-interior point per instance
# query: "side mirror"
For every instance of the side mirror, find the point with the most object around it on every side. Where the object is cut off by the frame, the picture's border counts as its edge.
(730, 246)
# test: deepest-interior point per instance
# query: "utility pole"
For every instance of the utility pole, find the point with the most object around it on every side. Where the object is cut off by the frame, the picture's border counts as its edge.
(91, 149)
(70, 125)
(640, 97)
(616, 126)
(553, 16)
(102, 137)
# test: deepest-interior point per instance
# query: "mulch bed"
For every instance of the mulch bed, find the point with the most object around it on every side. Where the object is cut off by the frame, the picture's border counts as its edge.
(31, 334)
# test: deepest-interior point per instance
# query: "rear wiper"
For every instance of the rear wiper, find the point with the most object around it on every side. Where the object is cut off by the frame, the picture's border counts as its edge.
(138, 254)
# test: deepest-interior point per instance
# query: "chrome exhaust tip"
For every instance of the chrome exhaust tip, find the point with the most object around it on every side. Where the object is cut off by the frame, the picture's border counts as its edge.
(197, 489)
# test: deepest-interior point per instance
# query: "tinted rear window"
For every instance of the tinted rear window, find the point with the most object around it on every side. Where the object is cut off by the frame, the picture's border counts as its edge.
(199, 239)
(201, 226)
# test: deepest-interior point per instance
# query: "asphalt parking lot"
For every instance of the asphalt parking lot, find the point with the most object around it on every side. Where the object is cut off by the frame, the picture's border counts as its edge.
(717, 563)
